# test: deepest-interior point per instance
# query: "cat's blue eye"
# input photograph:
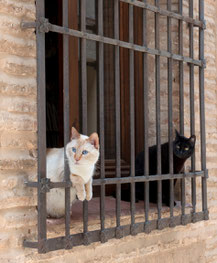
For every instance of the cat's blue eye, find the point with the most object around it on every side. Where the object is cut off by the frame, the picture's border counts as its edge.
(85, 152)
(73, 149)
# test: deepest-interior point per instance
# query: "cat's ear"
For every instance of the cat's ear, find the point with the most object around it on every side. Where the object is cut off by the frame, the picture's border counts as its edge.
(177, 134)
(94, 140)
(74, 134)
(192, 139)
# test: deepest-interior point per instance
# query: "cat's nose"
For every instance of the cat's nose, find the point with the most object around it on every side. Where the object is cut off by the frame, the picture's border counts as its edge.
(77, 158)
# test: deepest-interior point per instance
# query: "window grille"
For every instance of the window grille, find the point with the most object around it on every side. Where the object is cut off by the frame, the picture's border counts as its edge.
(43, 185)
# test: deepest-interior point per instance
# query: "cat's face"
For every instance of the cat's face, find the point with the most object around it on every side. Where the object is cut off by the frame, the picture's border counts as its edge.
(83, 150)
(183, 147)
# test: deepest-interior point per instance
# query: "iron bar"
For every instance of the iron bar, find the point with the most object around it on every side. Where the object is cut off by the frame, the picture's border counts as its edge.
(202, 110)
(145, 87)
(77, 239)
(125, 180)
(170, 109)
(164, 12)
(181, 99)
(192, 111)
(131, 46)
(101, 111)
(117, 113)
(41, 109)
(132, 118)
(157, 90)
(66, 115)
(84, 94)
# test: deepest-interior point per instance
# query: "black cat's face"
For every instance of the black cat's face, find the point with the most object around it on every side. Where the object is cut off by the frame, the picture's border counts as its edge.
(183, 147)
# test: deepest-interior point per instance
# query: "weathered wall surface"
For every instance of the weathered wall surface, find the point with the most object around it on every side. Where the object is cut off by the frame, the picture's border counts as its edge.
(17, 126)
(184, 244)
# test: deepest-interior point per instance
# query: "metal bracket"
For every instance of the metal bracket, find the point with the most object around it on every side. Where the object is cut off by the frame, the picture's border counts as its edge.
(42, 249)
(119, 232)
(86, 239)
(68, 243)
(193, 218)
(133, 230)
(161, 224)
(206, 215)
(204, 63)
(172, 222)
(45, 185)
(184, 220)
(103, 236)
(204, 24)
(206, 173)
(42, 25)
(147, 227)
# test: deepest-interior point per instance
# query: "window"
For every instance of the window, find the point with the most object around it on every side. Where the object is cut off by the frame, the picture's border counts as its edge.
(116, 58)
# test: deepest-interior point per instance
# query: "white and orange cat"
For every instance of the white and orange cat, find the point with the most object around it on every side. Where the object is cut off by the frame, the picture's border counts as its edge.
(82, 153)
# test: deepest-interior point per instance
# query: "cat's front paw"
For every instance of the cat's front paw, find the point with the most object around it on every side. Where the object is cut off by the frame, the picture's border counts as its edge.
(89, 196)
(81, 196)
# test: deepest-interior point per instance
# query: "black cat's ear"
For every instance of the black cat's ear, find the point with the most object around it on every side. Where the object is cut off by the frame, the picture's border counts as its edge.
(177, 134)
(192, 139)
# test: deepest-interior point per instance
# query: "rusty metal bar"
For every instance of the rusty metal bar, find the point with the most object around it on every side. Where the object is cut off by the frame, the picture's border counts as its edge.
(84, 98)
(145, 91)
(115, 42)
(117, 113)
(126, 180)
(157, 89)
(164, 12)
(132, 119)
(66, 106)
(170, 110)
(101, 113)
(41, 109)
(192, 110)
(202, 112)
(77, 239)
(181, 101)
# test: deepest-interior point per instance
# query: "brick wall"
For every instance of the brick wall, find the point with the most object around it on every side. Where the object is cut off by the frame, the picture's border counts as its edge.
(193, 243)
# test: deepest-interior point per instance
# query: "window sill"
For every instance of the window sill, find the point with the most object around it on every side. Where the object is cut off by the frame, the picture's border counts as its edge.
(56, 227)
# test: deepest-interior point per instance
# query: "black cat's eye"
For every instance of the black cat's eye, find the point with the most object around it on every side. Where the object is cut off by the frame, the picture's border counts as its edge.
(73, 149)
(177, 146)
(85, 152)
(186, 148)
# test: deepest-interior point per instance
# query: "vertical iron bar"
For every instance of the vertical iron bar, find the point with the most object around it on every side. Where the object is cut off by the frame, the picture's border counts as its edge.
(192, 111)
(117, 112)
(41, 102)
(202, 110)
(132, 117)
(170, 104)
(84, 95)
(181, 98)
(157, 85)
(101, 111)
(145, 87)
(66, 114)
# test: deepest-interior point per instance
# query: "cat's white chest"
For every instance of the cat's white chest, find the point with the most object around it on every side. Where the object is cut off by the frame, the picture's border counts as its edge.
(85, 172)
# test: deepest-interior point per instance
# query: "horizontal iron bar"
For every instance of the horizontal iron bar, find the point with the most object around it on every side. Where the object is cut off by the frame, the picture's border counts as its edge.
(116, 42)
(51, 184)
(125, 180)
(164, 12)
(129, 179)
(95, 236)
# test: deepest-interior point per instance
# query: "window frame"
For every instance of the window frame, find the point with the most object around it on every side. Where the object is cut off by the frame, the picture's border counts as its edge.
(43, 184)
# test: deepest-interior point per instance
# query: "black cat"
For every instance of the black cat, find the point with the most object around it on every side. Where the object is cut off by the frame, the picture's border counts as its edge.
(183, 148)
